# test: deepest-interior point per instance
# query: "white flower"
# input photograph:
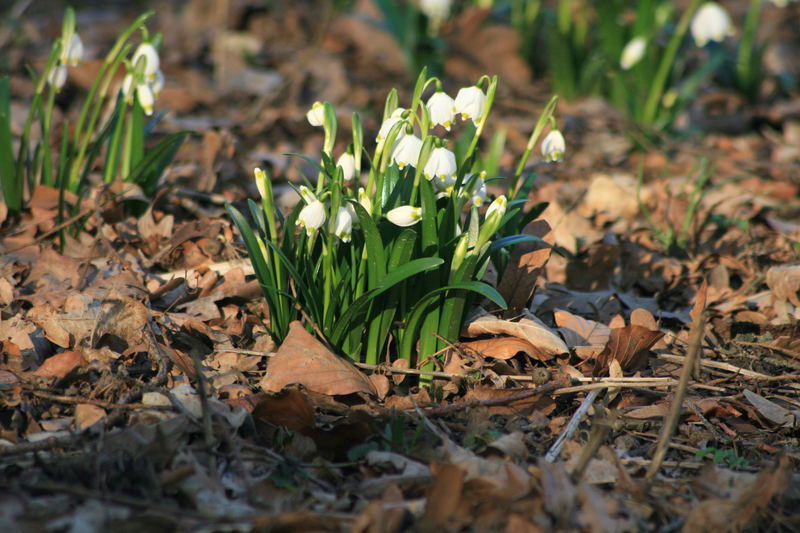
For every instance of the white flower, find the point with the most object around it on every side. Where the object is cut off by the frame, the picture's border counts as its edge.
(477, 194)
(633, 53)
(442, 109)
(72, 51)
(554, 146)
(498, 206)
(152, 63)
(404, 215)
(260, 177)
(438, 9)
(469, 103)
(347, 162)
(307, 195)
(711, 23)
(312, 217)
(343, 224)
(388, 124)
(58, 76)
(441, 164)
(316, 115)
(364, 200)
(406, 152)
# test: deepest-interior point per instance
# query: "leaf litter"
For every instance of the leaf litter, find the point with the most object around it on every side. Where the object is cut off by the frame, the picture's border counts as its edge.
(139, 387)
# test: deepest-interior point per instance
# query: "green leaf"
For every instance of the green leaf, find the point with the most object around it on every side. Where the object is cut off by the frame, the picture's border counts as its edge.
(376, 256)
(12, 192)
(152, 166)
(391, 279)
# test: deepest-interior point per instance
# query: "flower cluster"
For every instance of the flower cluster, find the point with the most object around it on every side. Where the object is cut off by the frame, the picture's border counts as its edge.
(70, 54)
(144, 79)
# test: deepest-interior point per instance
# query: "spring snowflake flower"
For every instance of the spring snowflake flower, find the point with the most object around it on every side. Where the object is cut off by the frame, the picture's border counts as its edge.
(554, 146)
(388, 124)
(711, 23)
(343, 224)
(436, 9)
(441, 165)
(347, 162)
(442, 109)
(477, 194)
(405, 215)
(406, 152)
(470, 102)
(312, 216)
(143, 91)
(633, 53)
(58, 76)
(72, 51)
(152, 63)
(316, 115)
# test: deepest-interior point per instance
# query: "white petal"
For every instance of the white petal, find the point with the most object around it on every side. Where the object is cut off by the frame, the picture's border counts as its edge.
(157, 85)
(710, 23)
(260, 177)
(553, 146)
(405, 215)
(442, 109)
(498, 206)
(364, 200)
(633, 53)
(441, 165)
(151, 61)
(312, 217)
(439, 9)
(145, 96)
(343, 226)
(347, 162)
(58, 76)
(316, 115)
(469, 103)
(73, 50)
(407, 151)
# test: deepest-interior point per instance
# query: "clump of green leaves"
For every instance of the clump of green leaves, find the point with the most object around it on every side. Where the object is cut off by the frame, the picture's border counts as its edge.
(725, 457)
(119, 142)
(389, 269)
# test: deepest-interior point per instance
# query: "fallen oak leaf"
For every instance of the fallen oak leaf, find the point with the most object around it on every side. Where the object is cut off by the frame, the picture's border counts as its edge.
(505, 348)
(630, 346)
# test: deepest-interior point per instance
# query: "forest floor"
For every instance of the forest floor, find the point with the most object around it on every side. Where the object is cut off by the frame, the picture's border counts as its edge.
(136, 392)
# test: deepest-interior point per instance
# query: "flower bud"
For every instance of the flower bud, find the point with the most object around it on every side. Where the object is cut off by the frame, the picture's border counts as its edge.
(633, 53)
(405, 215)
(347, 162)
(316, 115)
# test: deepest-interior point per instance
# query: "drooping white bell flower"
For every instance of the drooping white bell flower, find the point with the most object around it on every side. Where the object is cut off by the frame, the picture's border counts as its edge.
(142, 91)
(554, 146)
(347, 162)
(405, 215)
(442, 109)
(388, 124)
(316, 115)
(312, 217)
(477, 193)
(343, 224)
(441, 165)
(152, 63)
(470, 102)
(438, 9)
(72, 50)
(711, 23)
(633, 53)
(57, 76)
(406, 151)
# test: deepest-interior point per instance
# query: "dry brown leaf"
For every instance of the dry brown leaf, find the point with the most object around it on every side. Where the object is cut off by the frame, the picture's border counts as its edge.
(539, 335)
(397, 377)
(656, 410)
(784, 282)
(303, 359)
(87, 415)
(630, 346)
(505, 348)
(59, 365)
(772, 411)
(524, 266)
(579, 331)
(381, 384)
(444, 495)
(290, 409)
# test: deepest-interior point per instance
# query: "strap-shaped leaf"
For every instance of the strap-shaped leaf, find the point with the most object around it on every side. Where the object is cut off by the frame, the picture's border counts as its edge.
(390, 280)
(376, 255)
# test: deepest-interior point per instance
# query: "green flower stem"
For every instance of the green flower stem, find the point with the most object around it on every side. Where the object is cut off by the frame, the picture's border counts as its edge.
(114, 148)
(97, 95)
(47, 167)
(664, 68)
(546, 115)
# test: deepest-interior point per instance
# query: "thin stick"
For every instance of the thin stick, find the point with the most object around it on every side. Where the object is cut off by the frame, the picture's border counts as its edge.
(572, 426)
(671, 422)
(99, 403)
(521, 395)
(715, 364)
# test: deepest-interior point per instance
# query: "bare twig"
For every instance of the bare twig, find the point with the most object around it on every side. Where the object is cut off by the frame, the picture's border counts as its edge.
(554, 451)
(671, 422)
(520, 395)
